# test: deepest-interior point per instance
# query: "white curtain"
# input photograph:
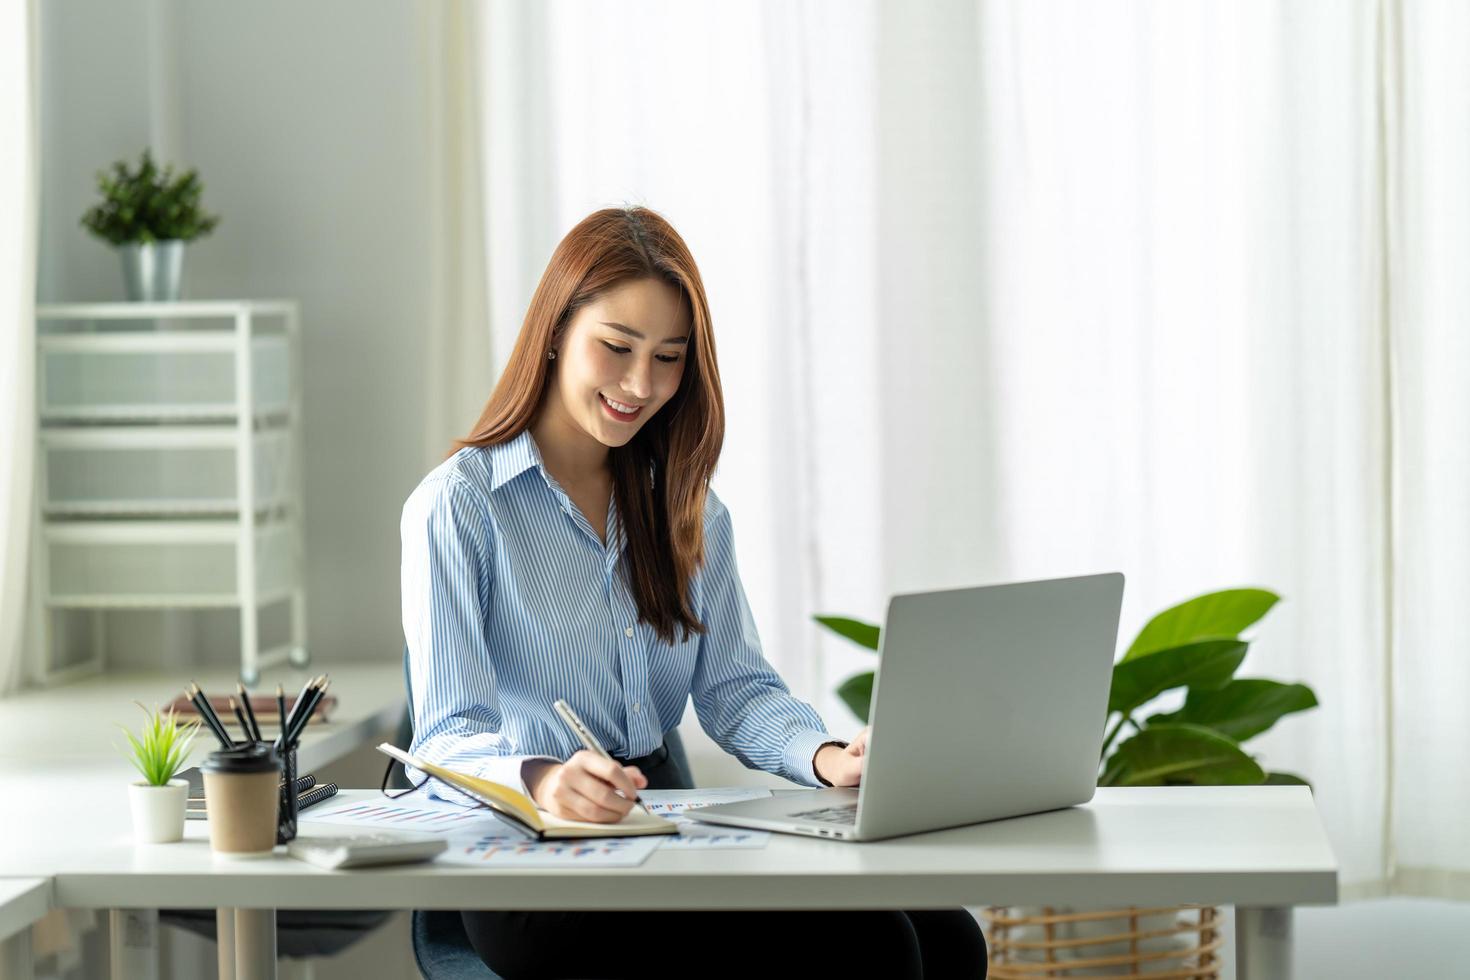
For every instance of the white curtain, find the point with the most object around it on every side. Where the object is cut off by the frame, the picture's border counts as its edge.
(750, 128)
(1428, 151)
(456, 336)
(1009, 290)
(19, 214)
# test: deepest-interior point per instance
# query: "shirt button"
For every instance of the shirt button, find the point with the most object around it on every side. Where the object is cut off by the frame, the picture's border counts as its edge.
(637, 707)
(628, 631)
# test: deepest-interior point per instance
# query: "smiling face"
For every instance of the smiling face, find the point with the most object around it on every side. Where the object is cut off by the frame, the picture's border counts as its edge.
(619, 361)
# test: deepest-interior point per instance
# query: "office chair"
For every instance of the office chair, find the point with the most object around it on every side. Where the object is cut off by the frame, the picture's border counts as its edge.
(440, 945)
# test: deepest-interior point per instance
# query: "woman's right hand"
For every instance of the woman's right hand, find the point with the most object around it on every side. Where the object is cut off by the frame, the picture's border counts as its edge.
(584, 788)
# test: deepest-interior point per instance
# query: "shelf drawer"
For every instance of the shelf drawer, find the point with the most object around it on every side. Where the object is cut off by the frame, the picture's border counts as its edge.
(161, 563)
(118, 471)
(104, 377)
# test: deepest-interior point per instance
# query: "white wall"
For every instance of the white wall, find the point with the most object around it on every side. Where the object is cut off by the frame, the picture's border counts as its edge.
(306, 122)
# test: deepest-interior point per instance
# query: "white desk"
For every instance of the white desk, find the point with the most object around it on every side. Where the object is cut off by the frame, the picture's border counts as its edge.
(1261, 849)
(67, 780)
(23, 902)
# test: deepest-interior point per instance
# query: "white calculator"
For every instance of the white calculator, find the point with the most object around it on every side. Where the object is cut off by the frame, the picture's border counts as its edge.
(365, 850)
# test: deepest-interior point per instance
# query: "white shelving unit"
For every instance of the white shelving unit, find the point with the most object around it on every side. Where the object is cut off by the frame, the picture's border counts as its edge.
(168, 467)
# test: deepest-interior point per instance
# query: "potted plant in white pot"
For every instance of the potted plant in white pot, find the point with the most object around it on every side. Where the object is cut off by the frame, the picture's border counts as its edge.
(149, 217)
(1197, 646)
(158, 800)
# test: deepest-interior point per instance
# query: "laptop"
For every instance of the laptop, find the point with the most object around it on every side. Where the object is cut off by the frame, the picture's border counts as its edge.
(989, 702)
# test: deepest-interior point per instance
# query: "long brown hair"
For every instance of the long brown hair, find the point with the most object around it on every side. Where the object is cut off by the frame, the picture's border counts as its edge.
(661, 476)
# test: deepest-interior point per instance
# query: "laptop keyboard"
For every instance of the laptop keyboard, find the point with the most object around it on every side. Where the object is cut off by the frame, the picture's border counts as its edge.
(846, 813)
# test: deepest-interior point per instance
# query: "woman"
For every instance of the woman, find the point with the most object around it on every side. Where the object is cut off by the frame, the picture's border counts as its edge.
(571, 548)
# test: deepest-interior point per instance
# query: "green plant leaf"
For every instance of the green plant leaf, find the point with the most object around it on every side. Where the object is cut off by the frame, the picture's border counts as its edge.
(148, 206)
(863, 634)
(1204, 665)
(1286, 779)
(164, 744)
(1180, 755)
(1214, 615)
(1241, 709)
(857, 693)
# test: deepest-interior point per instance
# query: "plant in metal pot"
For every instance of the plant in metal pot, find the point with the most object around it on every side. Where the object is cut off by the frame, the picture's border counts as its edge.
(1197, 647)
(149, 216)
(158, 752)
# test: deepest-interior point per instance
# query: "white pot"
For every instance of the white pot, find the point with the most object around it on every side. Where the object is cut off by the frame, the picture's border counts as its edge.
(158, 811)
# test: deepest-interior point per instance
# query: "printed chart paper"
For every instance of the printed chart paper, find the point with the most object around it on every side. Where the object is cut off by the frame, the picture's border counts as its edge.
(427, 816)
(671, 804)
(501, 850)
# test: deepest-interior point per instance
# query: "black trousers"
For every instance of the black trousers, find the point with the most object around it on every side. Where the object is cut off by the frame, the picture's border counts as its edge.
(914, 944)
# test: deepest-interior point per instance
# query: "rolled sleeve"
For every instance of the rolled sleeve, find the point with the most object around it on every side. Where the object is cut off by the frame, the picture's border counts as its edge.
(741, 702)
(447, 573)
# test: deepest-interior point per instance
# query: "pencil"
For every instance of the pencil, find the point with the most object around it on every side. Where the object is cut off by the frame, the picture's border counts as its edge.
(240, 717)
(296, 707)
(249, 712)
(201, 705)
(206, 711)
(205, 705)
(313, 697)
(312, 705)
(281, 717)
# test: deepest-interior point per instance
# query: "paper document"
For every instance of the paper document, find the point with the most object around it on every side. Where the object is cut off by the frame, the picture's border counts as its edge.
(516, 850)
(478, 837)
(425, 816)
(671, 804)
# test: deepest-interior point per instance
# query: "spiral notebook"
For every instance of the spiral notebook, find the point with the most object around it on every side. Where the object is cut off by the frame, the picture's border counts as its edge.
(521, 811)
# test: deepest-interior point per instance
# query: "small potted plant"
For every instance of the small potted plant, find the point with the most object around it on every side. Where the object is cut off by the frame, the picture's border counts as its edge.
(149, 217)
(158, 799)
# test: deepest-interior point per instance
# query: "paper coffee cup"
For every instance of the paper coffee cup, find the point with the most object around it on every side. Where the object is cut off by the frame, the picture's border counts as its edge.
(241, 799)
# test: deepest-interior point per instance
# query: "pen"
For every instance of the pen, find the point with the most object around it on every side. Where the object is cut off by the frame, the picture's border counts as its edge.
(583, 732)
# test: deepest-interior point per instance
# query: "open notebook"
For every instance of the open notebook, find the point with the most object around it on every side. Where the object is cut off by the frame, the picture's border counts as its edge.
(521, 811)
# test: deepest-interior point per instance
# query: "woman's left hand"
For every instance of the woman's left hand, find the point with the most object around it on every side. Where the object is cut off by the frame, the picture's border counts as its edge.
(843, 767)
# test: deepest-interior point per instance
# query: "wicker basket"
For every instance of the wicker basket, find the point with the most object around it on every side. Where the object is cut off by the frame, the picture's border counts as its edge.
(1173, 943)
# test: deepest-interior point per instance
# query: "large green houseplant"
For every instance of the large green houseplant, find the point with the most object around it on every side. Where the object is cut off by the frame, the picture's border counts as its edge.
(1195, 645)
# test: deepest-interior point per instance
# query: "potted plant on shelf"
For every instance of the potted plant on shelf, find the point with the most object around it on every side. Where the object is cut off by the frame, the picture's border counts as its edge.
(1197, 646)
(158, 800)
(149, 217)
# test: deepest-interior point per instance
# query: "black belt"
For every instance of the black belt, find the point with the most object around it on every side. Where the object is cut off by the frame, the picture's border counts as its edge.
(649, 761)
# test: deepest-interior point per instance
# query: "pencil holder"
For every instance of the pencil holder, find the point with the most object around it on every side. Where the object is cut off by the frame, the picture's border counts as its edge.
(286, 819)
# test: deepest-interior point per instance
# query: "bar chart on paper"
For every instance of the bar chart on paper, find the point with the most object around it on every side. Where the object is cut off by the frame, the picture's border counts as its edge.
(671, 804)
(515, 850)
(423, 817)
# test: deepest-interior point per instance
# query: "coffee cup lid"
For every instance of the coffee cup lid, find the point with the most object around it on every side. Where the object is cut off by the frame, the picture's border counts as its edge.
(250, 757)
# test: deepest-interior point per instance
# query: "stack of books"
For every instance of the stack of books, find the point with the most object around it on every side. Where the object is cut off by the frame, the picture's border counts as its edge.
(265, 707)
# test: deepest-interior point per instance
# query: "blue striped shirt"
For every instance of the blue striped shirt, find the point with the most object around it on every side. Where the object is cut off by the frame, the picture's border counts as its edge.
(511, 600)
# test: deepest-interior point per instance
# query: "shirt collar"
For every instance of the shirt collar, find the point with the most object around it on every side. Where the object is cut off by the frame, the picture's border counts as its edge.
(509, 460)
